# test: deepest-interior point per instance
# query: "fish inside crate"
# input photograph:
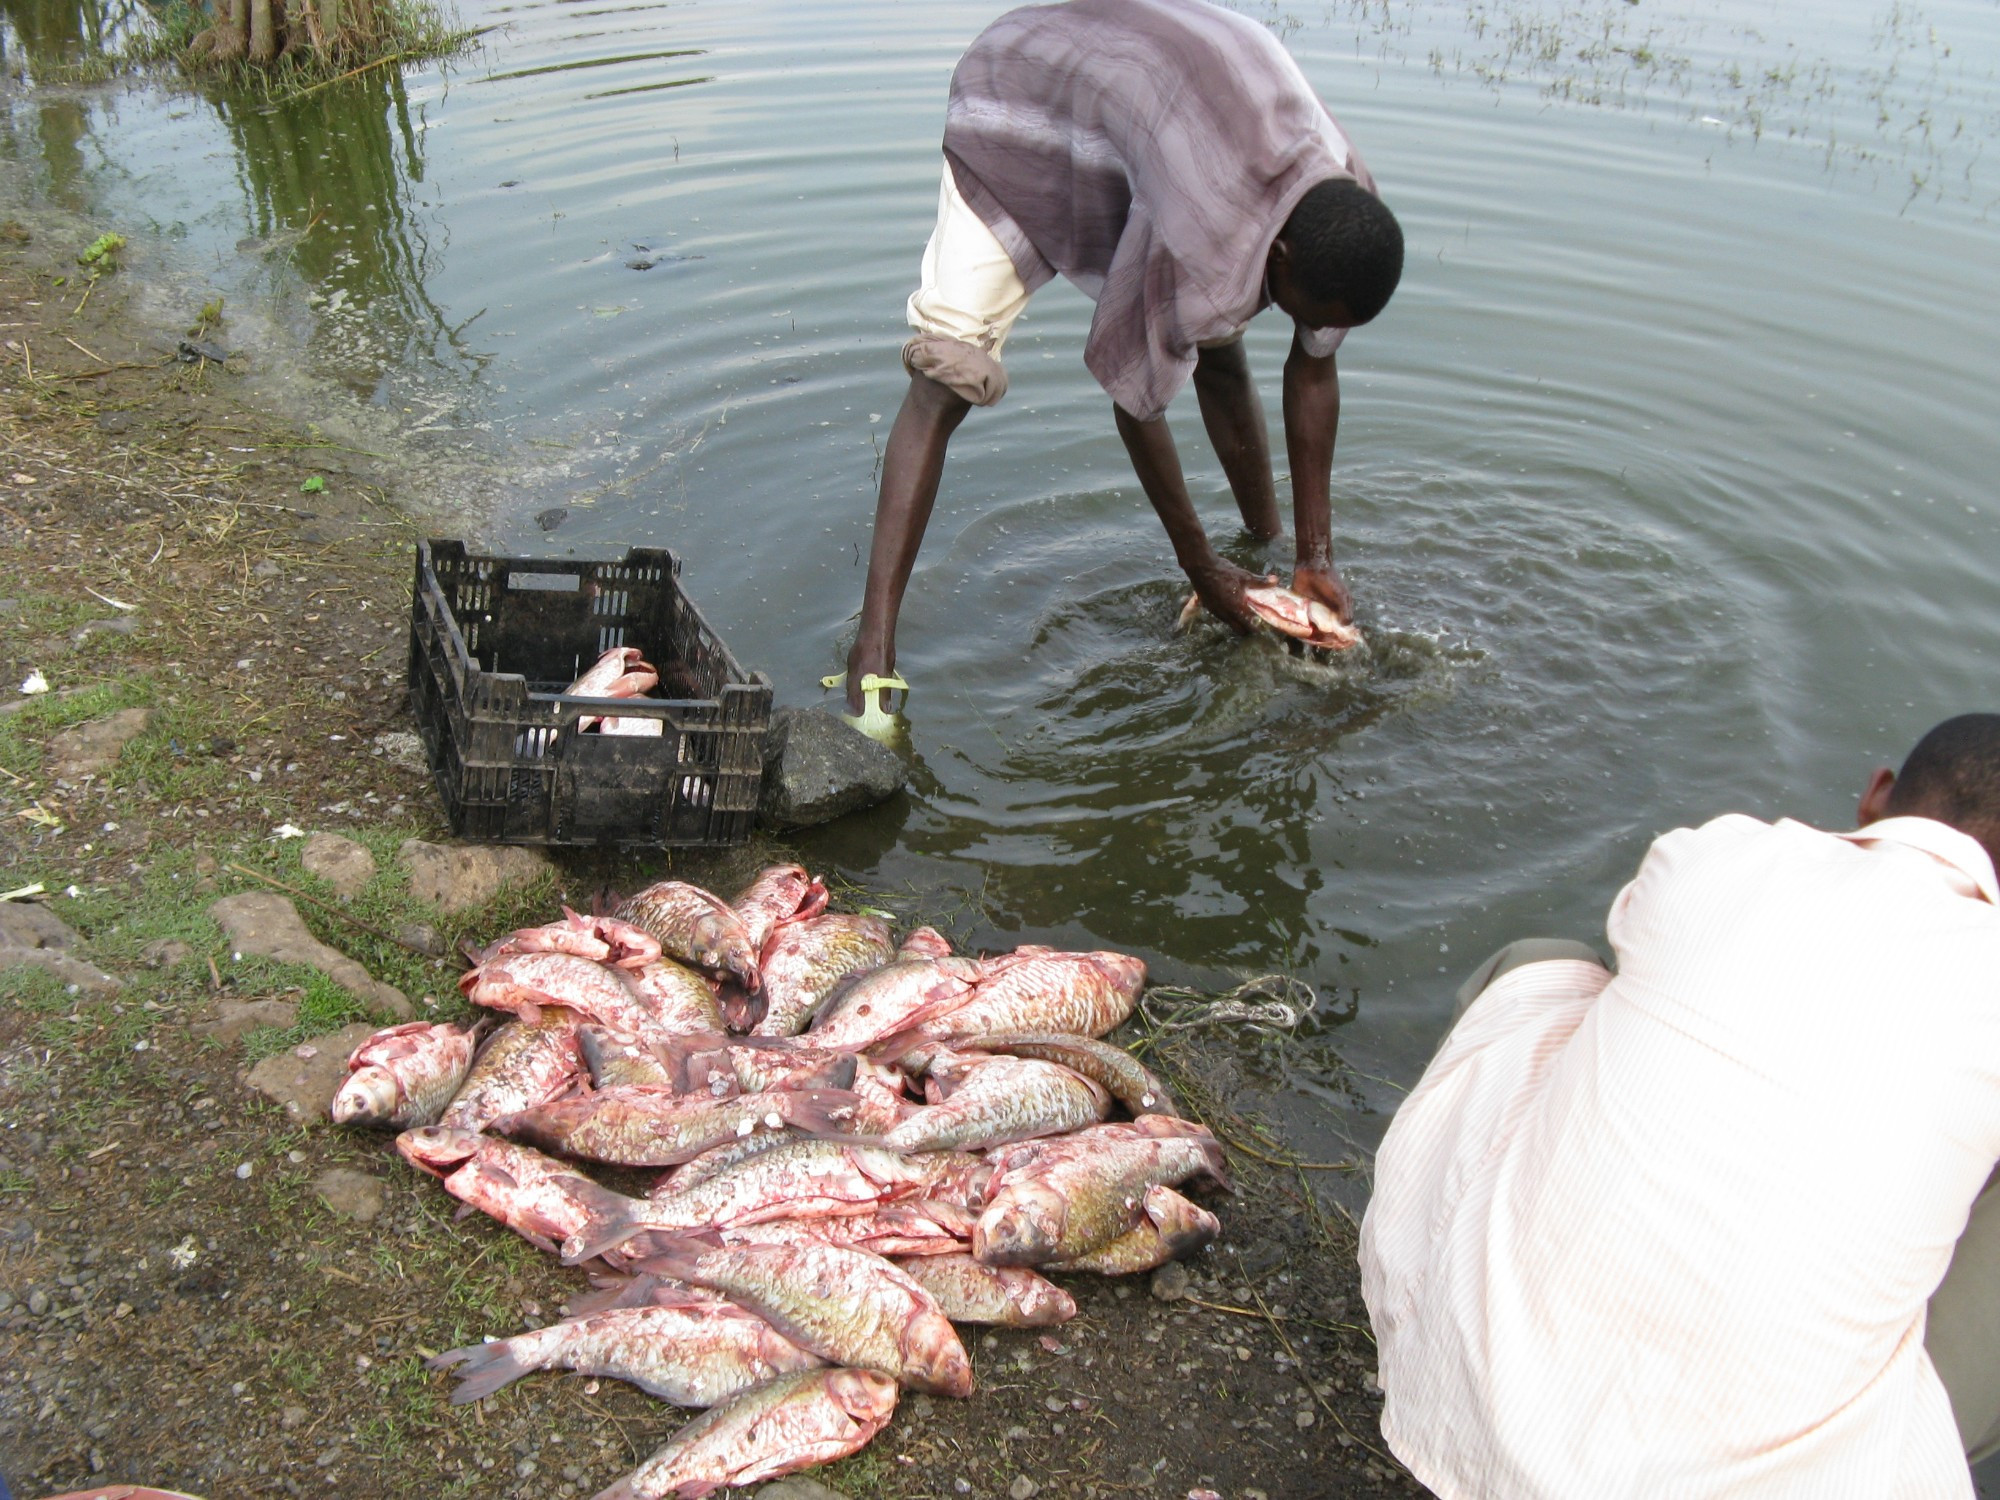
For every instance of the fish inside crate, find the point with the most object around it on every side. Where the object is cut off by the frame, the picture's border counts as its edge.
(497, 646)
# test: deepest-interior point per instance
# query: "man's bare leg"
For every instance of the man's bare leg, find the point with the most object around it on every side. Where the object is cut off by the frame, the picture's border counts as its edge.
(1234, 417)
(911, 469)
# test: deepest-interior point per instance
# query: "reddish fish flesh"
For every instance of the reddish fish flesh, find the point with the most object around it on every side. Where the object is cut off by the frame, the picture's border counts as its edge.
(525, 982)
(622, 672)
(692, 1353)
(681, 1001)
(696, 926)
(846, 1306)
(1068, 1198)
(779, 894)
(1289, 614)
(603, 940)
(523, 1064)
(794, 1422)
(925, 942)
(804, 961)
(1129, 1080)
(996, 1101)
(405, 1075)
(799, 1179)
(973, 1293)
(542, 1200)
(637, 1127)
(880, 1002)
(1039, 989)
(901, 1230)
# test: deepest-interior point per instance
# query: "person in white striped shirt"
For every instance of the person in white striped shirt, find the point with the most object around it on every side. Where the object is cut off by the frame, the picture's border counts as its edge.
(1725, 1222)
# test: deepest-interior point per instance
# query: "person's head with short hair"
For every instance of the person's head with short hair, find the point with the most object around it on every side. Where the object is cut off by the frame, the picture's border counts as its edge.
(1336, 262)
(1952, 776)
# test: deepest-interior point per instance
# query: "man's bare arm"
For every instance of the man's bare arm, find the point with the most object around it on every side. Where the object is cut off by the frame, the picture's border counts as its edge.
(1312, 419)
(1158, 465)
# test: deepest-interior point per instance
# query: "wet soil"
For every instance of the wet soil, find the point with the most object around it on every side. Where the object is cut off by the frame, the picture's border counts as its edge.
(179, 1303)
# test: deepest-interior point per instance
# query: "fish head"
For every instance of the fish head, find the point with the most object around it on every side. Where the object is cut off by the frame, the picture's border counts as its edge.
(925, 942)
(933, 1357)
(718, 941)
(438, 1149)
(867, 1396)
(1124, 972)
(1040, 1302)
(1021, 1227)
(1184, 1227)
(369, 1094)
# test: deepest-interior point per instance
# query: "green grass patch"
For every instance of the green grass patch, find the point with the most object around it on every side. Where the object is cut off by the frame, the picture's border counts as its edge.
(24, 732)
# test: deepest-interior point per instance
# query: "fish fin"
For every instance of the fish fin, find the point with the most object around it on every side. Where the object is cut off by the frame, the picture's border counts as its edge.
(465, 1211)
(604, 1228)
(485, 1368)
(824, 1112)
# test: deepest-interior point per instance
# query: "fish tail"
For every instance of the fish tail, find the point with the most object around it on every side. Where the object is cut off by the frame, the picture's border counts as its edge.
(483, 1369)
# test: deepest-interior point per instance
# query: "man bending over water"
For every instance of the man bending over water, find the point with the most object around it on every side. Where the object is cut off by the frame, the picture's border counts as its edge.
(1169, 159)
(1725, 1222)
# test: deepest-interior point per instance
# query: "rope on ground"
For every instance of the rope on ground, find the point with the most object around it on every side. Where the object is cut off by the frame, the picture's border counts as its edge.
(1270, 1002)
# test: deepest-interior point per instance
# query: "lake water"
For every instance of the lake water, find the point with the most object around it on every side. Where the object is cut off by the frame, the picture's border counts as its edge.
(1663, 486)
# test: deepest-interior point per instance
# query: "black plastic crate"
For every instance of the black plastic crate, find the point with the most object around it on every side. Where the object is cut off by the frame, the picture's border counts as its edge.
(494, 641)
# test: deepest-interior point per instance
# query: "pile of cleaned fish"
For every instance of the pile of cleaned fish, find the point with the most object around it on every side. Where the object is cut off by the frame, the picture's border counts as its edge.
(863, 1143)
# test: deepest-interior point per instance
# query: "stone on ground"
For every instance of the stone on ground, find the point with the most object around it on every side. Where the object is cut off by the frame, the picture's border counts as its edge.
(91, 749)
(33, 937)
(818, 768)
(798, 1488)
(354, 1195)
(236, 1019)
(462, 877)
(305, 1084)
(341, 863)
(266, 924)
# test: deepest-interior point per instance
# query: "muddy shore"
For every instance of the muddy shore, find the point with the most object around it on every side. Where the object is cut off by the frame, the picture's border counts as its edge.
(200, 1292)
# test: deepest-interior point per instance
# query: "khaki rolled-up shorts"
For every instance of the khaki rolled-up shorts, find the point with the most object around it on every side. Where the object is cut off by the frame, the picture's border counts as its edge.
(966, 302)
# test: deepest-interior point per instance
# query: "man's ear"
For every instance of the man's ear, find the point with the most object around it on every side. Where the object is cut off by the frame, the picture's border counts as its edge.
(1875, 799)
(1280, 256)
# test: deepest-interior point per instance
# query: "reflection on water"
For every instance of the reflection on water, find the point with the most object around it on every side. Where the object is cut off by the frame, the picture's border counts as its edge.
(330, 187)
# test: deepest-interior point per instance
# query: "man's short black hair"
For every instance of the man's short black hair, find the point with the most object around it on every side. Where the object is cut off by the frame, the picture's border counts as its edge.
(1953, 775)
(1345, 247)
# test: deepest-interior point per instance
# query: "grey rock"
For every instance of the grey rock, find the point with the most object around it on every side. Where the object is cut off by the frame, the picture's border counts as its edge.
(305, 1086)
(265, 923)
(292, 1418)
(67, 969)
(1170, 1282)
(26, 924)
(268, 569)
(165, 953)
(341, 863)
(404, 748)
(354, 1195)
(797, 1488)
(6, 1303)
(236, 1019)
(423, 937)
(38, 1302)
(818, 768)
(1023, 1488)
(464, 877)
(116, 625)
(91, 749)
